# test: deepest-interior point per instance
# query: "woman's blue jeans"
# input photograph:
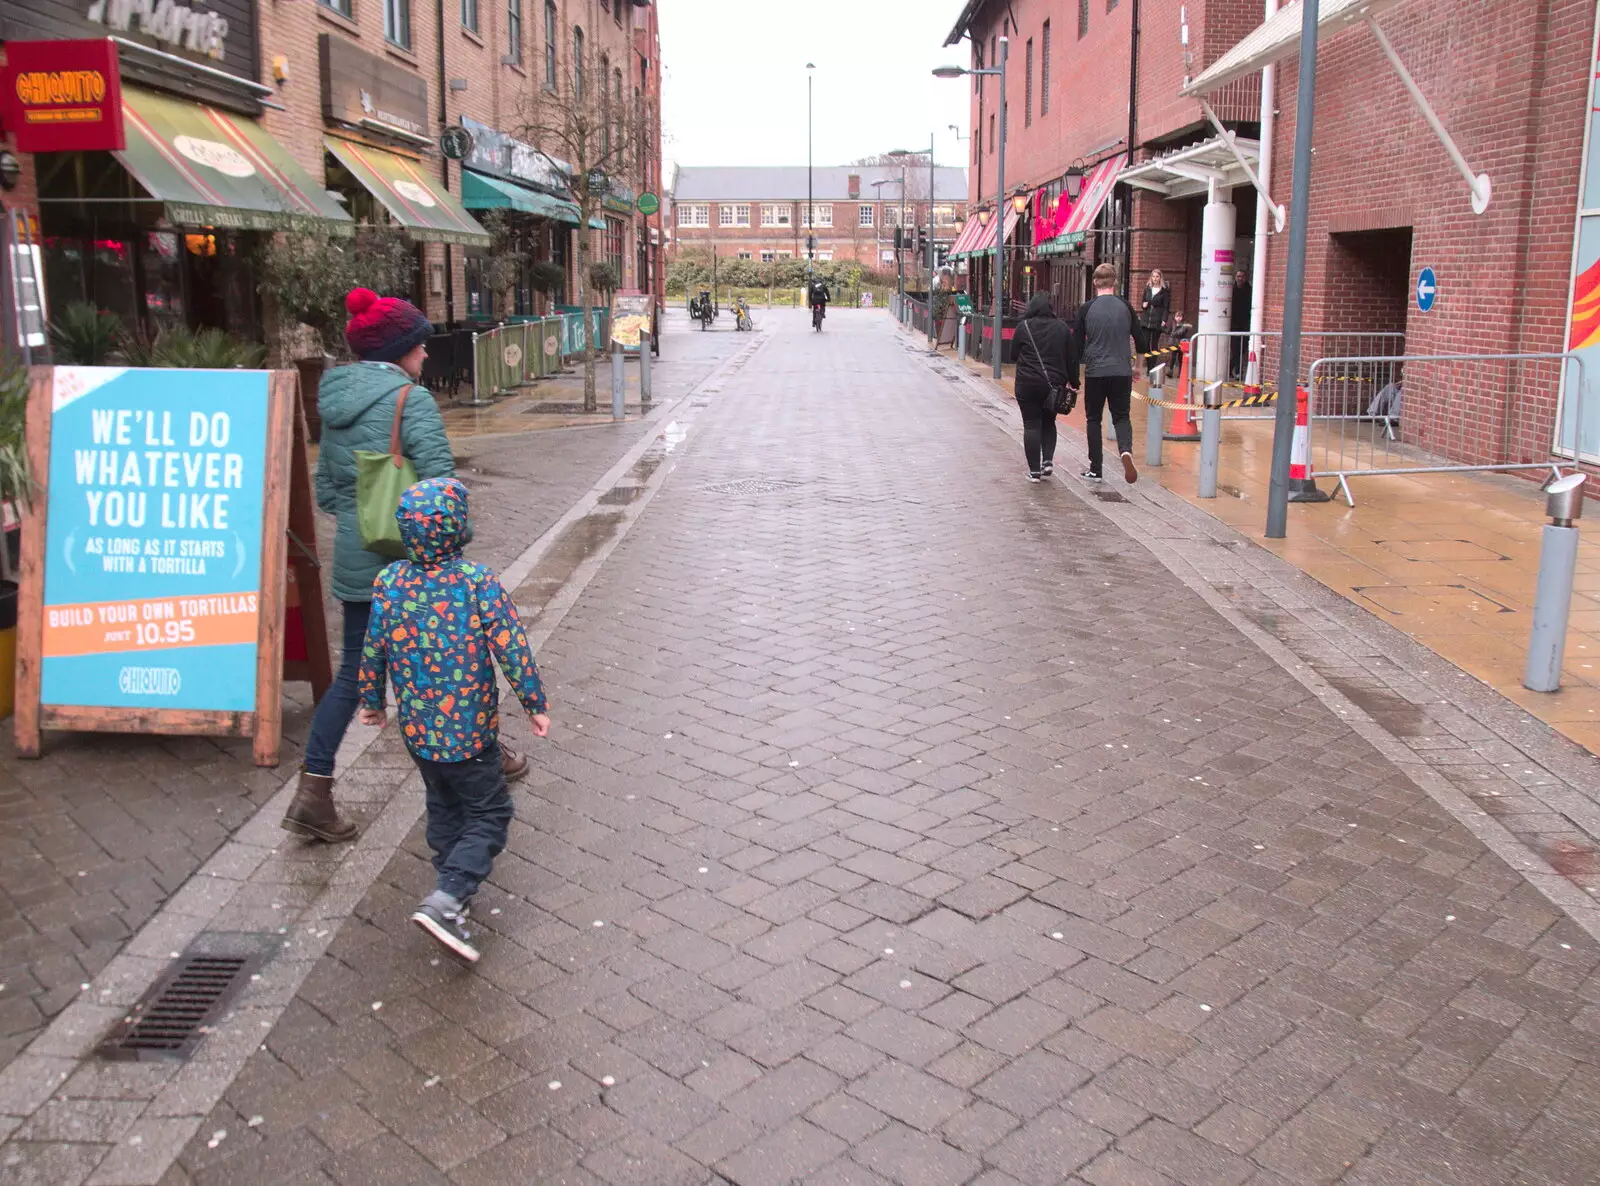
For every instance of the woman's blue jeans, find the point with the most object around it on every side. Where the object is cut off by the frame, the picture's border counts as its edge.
(338, 705)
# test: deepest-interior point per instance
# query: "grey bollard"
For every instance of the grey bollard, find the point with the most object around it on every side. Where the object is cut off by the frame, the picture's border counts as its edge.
(618, 386)
(644, 372)
(1154, 415)
(1558, 559)
(961, 337)
(1210, 440)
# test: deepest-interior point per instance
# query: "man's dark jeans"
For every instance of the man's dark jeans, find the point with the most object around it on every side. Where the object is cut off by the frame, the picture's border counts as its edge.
(332, 719)
(1099, 391)
(469, 818)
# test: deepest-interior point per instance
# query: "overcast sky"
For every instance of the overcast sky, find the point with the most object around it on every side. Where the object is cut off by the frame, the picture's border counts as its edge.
(734, 80)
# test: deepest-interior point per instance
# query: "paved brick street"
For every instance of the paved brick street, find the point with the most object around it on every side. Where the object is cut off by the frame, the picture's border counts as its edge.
(901, 822)
(98, 834)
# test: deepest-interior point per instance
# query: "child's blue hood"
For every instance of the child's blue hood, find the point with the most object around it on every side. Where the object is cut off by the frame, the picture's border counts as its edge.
(433, 521)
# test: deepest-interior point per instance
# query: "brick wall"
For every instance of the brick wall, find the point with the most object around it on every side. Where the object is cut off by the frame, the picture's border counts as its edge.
(498, 93)
(1509, 79)
(846, 238)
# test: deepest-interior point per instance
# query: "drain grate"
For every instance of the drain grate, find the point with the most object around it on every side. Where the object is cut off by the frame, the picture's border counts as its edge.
(753, 486)
(170, 1020)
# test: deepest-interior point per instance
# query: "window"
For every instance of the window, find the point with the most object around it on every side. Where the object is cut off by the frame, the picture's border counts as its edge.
(616, 107)
(344, 8)
(768, 256)
(724, 215)
(741, 215)
(779, 215)
(578, 63)
(824, 257)
(991, 132)
(551, 28)
(1027, 88)
(819, 215)
(742, 255)
(469, 15)
(613, 245)
(785, 255)
(514, 30)
(864, 216)
(944, 215)
(694, 214)
(1083, 18)
(618, 5)
(397, 22)
(891, 215)
(605, 108)
(1044, 70)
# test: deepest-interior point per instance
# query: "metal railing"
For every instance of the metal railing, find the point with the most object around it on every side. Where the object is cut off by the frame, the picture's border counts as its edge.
(1217, 357)
(1442, 413)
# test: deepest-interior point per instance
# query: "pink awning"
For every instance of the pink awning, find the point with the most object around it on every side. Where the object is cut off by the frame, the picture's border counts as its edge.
(1097, 187)
(986, 233)
(968, 236)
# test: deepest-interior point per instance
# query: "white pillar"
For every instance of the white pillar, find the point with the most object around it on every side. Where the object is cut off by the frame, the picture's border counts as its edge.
(1258, 262)
(1217, 229)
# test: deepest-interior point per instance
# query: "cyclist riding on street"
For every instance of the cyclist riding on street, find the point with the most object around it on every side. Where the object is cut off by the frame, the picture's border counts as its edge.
(818, 299)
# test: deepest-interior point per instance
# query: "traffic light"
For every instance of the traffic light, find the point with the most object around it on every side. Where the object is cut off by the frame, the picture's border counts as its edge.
(899, 238)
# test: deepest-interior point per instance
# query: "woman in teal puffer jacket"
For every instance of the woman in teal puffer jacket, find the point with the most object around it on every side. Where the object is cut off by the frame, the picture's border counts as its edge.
(357, 404)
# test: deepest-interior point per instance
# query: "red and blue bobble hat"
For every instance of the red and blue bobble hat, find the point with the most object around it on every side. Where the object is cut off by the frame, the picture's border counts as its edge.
(383, 329)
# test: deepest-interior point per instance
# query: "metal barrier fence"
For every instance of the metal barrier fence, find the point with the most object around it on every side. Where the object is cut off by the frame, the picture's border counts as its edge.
(1213, 358)
(1488, 411)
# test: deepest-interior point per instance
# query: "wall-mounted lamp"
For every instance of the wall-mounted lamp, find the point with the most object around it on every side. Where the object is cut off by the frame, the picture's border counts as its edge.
(1074, 179)
(280, 68)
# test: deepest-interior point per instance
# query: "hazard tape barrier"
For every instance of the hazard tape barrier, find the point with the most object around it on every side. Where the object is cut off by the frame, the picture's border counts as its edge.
(1249, 401)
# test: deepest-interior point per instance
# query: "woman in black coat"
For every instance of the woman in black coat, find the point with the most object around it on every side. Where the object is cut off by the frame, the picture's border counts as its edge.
(1046, 362)
(1154, 310)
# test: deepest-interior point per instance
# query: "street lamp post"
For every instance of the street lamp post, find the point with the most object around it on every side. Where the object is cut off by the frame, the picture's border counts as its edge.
(1000, 194)
(811, 204)
(899, 260)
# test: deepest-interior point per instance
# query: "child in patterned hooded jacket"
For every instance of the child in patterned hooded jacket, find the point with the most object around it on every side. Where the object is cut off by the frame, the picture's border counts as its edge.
(439, 623)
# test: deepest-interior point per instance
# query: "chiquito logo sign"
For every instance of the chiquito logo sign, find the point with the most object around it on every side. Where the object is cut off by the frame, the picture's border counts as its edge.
(62, 96)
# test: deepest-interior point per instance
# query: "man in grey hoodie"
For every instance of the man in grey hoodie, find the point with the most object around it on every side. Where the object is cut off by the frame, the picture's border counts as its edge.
(1108, 336)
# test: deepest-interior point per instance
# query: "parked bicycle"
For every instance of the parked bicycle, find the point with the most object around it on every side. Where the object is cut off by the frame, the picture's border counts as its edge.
(703, 309)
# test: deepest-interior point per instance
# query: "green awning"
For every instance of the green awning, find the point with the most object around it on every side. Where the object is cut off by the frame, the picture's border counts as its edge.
(479, 191)
(211, 169)
(429, 212)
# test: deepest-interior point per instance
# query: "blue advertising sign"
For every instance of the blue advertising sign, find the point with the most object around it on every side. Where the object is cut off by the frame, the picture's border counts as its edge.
(153, 538)
(1427, 289)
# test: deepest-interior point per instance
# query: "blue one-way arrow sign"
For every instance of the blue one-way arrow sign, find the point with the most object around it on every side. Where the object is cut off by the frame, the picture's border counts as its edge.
(1427, 289)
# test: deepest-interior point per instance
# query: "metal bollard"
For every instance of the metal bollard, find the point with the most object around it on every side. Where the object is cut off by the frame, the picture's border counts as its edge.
(618, 385)
(961, 337)
(1558, 559)
(644, 372)
(1210, 439)
(1154, 418)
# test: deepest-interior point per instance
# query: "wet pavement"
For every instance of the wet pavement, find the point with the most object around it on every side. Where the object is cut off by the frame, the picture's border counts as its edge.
(95, 837)
(901, 822)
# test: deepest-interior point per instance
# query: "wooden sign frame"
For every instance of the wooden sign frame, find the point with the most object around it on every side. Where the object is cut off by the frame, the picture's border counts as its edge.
(284, 447)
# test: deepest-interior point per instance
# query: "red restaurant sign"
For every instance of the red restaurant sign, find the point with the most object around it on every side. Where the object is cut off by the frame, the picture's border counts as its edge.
(62, 96)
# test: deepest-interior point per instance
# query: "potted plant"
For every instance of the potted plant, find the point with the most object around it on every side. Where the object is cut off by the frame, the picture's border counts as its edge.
(308, 276)
(84, 335)
(16, 491)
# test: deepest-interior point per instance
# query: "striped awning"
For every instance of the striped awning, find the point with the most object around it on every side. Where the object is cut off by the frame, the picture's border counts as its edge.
(211, 169)
(1097, 187)
(984, 243)
(967, 237)
(428, 212)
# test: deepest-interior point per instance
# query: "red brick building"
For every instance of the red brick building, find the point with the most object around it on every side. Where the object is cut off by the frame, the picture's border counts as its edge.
(1509, 80)
(760, 213)
(348, 99)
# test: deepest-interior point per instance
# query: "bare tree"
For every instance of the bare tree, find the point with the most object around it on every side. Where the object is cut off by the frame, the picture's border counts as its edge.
(585, 128)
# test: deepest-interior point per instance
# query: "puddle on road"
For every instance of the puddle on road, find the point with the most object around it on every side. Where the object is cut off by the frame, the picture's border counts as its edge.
(575, 545)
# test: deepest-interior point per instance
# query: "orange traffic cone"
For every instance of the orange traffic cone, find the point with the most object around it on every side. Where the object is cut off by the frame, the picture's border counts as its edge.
(1180, 427)
(1302, 486)
(1252, 378)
